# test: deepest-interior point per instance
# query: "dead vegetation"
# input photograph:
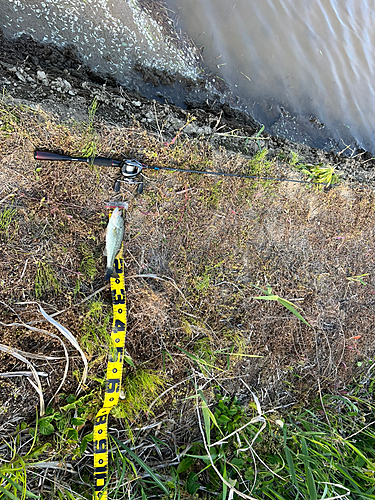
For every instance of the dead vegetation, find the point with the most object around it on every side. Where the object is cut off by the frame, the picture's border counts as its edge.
(201, 244)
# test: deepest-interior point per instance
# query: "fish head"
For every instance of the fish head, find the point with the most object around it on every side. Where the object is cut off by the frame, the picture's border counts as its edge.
(116, 217)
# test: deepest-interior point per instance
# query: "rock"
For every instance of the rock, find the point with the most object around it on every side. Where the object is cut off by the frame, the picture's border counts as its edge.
(20, 76)
(41, 76)
(62, 85)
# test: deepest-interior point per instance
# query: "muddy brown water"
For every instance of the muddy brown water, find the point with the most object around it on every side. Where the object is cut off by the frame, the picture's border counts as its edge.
(304, 69)
(313, 58)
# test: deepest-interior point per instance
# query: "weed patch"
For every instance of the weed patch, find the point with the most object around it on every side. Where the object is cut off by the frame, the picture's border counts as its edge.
(45, 280)
(8, 223)
(9, 119)
(88, 263)
(95, 337)
(89, 147)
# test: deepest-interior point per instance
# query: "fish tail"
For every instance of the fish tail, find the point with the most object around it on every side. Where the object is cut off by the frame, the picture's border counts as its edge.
(110, 272)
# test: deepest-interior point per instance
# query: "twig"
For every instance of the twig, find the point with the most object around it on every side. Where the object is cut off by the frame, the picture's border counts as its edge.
(183, 210)
(339, 486)
(36, 356)
(262, 462)
(165, 278)
(229, 134)
(74, 305)
(73, 341)
(8, 196)
(66, 333)
(157, 124)
(363, 428)
(252, 421)
(166, 391)
(22, 374)
(24, 269)
(38, 386)
(318, 380)
(30, 354)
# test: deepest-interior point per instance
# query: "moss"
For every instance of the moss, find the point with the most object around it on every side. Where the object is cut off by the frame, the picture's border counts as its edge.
(138, 391)
(95, 337)
(88, 265)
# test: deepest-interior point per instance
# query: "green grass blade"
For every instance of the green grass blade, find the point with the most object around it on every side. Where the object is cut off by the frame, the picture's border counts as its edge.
(272, 494)
(20, 488)
(267, 297)
(225, 487)
(208, 412)
(359, 453)
(143, 465)
(292, 309)
(119, 483)
(348, 476)
(207, 421)
(200, 361)
(290, 462)
(8, 494)
(325, 492)
(311, 486)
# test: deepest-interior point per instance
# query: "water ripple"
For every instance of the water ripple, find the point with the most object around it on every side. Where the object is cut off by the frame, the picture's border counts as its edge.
(315, 57)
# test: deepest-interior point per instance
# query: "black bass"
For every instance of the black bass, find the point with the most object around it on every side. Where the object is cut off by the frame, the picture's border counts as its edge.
(113, 241)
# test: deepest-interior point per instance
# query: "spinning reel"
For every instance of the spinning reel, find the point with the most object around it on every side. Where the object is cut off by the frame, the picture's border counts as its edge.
(130, 169)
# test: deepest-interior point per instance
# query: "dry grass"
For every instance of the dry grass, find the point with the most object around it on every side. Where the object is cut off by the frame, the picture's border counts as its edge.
(211, 240)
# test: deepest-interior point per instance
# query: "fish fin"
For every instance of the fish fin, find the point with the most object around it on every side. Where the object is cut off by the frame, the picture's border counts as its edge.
(108, 273)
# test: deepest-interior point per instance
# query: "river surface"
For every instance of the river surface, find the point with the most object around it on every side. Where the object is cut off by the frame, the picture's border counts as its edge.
(311, 59)
(305, 69)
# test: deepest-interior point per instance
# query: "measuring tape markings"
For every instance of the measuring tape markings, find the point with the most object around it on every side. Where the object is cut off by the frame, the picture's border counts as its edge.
(113, 379)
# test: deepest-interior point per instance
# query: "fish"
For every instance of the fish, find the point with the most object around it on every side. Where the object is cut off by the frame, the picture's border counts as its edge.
(113, 241)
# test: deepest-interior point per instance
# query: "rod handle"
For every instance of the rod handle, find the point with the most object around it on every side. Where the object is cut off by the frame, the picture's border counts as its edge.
(104, 162)
(96, 160)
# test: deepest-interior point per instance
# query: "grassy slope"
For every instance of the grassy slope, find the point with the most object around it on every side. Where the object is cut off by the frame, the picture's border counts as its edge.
(194, 324)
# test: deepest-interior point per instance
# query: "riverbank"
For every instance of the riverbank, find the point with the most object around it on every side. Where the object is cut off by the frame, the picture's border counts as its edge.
(210, 251)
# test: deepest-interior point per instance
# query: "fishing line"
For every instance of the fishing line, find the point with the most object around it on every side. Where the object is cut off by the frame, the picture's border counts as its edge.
(131, 169)
(275, 179)
(239, 176)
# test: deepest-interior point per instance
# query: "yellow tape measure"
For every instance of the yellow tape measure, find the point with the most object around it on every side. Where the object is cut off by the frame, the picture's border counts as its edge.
(113, 383)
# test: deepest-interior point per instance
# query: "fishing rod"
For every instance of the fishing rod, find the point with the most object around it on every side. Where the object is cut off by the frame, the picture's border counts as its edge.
(131, 169)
